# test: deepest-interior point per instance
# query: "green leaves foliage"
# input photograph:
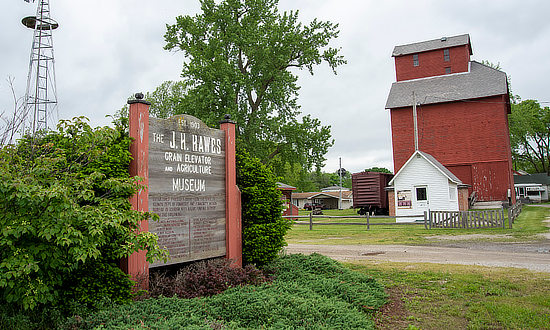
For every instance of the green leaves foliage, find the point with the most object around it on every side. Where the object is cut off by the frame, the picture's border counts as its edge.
(263, 226)
(64, 201)
(378, 169)
(309, 292)
(530, 136)
(240, 59)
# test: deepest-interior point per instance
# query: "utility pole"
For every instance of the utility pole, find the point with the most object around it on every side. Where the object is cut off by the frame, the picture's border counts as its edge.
(340, 175)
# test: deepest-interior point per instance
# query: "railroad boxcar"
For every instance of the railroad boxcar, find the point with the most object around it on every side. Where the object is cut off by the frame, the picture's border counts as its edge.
(368, 192)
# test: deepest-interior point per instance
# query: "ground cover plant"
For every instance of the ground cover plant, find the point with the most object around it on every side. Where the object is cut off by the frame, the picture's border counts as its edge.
(308, 292)
(525, 228)
(436, 296)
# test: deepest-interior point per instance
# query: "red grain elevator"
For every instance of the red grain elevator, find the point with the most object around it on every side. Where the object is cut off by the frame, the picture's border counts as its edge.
(462, 114)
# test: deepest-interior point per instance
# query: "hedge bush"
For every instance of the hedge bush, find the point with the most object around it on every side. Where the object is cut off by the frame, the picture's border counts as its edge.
(263, 227)
(66, 219)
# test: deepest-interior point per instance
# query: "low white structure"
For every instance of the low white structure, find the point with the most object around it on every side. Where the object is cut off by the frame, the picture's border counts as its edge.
(328, 199)
(533, 187)
(421, 185)
(535, 192)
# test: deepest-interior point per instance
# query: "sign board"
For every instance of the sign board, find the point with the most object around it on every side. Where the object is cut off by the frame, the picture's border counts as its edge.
(187, 188)
(404, 199)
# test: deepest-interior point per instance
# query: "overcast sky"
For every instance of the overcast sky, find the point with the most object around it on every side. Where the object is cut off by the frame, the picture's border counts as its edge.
(106, 50)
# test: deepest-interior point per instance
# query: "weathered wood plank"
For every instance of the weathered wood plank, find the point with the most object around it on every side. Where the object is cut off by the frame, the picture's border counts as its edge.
(187, 188)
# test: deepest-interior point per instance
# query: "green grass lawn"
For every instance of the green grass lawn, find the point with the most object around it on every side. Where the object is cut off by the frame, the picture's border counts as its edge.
(442, 296)
(436, 296)
(525, 228)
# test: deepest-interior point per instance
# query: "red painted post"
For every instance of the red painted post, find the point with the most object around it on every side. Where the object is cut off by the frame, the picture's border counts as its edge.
(233, 231)
(136, 265)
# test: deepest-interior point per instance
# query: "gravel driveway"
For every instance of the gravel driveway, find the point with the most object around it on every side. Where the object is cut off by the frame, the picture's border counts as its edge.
(465, 250)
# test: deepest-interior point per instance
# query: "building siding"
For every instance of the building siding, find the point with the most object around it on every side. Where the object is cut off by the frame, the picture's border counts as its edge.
(431, 63)
(419, 172)
(470, 138)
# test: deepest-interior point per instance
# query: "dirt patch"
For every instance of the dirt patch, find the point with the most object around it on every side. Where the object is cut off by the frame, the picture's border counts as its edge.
(393, 315)
(372, 253)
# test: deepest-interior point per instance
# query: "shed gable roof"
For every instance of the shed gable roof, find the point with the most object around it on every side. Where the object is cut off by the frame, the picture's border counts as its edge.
(424, 46)
(333, 194)
(480, 81)
(330, 194)
(432, 161)
(284, 186)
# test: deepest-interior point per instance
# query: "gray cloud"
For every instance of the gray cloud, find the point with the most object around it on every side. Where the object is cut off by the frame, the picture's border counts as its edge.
(107, 50)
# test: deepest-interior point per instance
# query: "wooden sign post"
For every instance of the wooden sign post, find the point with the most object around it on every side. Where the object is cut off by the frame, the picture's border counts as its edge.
(136, 265)
(190, 173)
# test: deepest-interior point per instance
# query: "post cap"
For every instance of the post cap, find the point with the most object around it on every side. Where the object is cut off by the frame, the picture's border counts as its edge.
(227, 119)
(139, 99)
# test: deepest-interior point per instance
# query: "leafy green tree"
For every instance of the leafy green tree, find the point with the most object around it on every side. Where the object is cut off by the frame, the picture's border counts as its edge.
(530, 136)
(346, 178)
(378, 169)
(66, 218)
(240, 59)
(167, 99)
(295, 175)
(513, 98)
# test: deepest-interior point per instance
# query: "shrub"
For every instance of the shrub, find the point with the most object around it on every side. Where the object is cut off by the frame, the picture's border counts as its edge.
(202, 279)
(98, 281)
(65, 211)
(263, 226)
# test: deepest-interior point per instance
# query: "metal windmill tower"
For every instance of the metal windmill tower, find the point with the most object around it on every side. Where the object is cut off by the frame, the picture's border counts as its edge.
(41, 94)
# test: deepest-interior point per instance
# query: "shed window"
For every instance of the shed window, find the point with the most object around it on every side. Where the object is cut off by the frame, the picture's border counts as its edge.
(421, 194)
(452, 193)
(446, 55)
(415, 60)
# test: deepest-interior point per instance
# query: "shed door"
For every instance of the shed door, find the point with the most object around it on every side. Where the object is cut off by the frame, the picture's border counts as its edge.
(421, 197)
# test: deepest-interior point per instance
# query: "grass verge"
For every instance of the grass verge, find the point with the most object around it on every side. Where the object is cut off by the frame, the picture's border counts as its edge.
(525, 228)
(432, 296)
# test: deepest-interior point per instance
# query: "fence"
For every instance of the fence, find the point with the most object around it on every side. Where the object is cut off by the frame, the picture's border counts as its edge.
(474, 219)
(367, 219)
(467, 219)
(514, 211)
(431, 219)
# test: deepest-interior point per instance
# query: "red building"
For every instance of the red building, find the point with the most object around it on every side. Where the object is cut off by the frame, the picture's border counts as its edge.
(462, 114)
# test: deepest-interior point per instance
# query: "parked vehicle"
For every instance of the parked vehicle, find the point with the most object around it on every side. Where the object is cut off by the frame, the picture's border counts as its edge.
(368, 192)
(313, 206)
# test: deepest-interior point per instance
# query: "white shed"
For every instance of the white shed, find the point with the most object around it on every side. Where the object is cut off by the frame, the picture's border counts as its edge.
(423, 184)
